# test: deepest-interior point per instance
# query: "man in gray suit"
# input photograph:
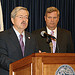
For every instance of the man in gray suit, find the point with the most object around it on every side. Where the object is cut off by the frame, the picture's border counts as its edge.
(10, 49)
(62, 43)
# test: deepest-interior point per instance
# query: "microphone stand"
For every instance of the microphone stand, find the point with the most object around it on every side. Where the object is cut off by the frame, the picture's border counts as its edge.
(51, 46)
(49, 40)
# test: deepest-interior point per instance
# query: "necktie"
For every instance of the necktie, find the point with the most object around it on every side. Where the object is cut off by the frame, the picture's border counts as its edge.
(22, 43)
(54, 42)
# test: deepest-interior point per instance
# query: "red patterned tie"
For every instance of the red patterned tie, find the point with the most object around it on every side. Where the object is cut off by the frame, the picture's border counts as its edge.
(22, 43)
(54, 42)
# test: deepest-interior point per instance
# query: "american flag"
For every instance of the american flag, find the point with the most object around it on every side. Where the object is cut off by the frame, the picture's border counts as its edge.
(1, 18)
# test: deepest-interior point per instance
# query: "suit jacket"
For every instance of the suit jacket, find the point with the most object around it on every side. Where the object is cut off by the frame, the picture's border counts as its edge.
(64, 41)
(10, 50)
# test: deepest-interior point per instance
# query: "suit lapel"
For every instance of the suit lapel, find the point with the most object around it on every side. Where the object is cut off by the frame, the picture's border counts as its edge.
(59, 39)
(15, 40)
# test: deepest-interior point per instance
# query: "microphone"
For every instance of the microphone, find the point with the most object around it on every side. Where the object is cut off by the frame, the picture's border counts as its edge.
(44, 34)
(49, 37)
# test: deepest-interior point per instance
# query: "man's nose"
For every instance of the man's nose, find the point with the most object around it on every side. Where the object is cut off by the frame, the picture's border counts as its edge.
(52, 19)
(24, 18)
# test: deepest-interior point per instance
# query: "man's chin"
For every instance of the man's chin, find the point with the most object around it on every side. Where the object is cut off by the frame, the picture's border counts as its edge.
(51, 28)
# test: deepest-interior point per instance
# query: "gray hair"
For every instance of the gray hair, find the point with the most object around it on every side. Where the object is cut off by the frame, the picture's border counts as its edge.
(16, 9)
(52, 9)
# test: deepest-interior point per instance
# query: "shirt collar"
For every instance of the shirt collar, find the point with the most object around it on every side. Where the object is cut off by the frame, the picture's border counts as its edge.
(17, 33)
(55, 31)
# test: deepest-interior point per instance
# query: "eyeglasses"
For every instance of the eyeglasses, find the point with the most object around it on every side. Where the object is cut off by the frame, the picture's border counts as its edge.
(21, 17)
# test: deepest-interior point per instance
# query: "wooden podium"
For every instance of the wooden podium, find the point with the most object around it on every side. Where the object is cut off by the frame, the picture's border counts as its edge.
(42, 64)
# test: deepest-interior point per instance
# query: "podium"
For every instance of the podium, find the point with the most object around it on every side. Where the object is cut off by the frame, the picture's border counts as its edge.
(41, 63)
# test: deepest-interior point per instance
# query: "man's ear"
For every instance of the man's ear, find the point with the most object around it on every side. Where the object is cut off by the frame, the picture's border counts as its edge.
(12, 20)
(45, 18)
(58, 18)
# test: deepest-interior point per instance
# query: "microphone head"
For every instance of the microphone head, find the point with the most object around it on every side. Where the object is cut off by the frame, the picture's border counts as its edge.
(42, 33)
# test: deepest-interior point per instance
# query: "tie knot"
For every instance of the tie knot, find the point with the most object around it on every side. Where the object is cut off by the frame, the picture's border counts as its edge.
(21, 36)
(52, 32)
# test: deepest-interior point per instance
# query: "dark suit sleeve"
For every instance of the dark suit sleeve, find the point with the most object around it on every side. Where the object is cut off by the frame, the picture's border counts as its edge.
(4, 59)
(36, 46)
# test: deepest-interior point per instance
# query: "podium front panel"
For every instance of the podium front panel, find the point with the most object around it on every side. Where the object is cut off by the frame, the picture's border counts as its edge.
(43, 64)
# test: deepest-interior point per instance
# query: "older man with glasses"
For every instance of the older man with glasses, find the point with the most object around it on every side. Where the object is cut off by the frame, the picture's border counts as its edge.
(16, 43)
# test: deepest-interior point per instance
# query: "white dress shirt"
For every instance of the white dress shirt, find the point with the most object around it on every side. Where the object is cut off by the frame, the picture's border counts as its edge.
(55, 32)
(55, 35)
(17, 33)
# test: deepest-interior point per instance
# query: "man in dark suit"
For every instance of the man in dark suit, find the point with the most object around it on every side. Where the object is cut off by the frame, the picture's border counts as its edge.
(10, 49)
(62, 43)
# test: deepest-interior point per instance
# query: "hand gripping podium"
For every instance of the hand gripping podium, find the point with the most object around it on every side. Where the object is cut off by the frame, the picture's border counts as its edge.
(41, 64)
